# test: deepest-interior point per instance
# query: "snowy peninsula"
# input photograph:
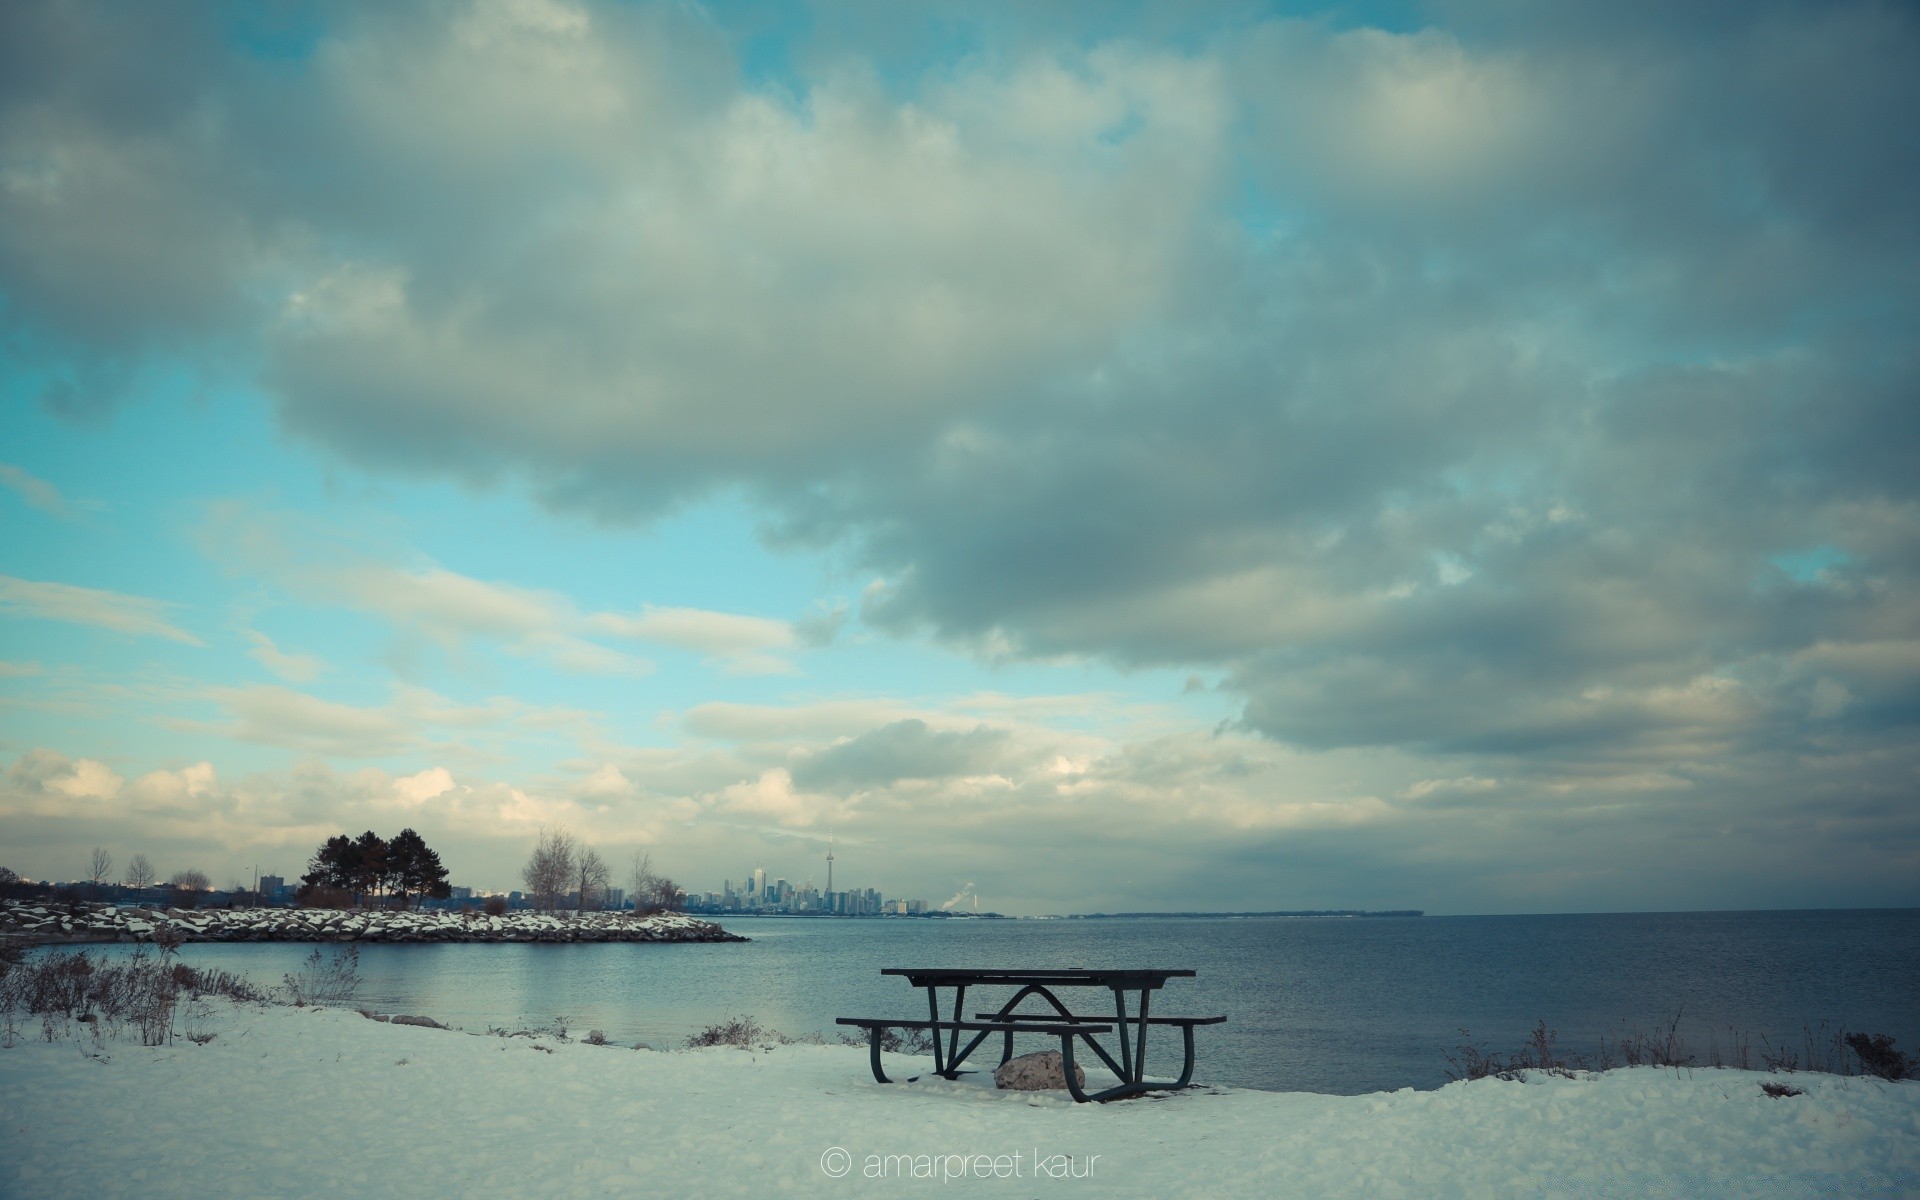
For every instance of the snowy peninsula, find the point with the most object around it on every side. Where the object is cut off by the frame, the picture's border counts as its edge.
(268, 1100)
(43, 922)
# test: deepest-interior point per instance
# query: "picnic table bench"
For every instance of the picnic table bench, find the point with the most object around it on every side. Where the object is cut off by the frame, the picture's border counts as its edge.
(1068, 1026)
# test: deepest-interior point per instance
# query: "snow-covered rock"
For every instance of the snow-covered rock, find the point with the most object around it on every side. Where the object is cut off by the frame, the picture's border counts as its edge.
(107, 923)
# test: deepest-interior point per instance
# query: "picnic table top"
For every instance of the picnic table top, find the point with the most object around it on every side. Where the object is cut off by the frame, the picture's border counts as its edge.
(1121, 977)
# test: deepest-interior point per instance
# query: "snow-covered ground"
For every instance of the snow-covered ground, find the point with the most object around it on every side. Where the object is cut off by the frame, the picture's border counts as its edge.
(322, 1102)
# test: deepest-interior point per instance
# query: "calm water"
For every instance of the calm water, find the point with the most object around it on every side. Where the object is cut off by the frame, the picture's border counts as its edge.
(1322, 1005)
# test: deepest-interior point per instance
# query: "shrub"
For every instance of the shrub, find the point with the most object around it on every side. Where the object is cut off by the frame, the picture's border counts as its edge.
(70, 987)
(1662, 1048)
(742, 1032)
(496, 906)
(1541, 1054)
(324, 980)
(1472, 1060)
(1780, 1091)
(1878, 1057)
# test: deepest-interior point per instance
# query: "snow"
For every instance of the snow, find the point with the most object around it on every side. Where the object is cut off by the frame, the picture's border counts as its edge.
(315, 1102)
(307, 924)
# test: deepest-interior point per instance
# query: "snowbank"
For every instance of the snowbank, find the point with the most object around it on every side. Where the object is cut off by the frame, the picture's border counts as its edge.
(31, 922)
(320, 1102)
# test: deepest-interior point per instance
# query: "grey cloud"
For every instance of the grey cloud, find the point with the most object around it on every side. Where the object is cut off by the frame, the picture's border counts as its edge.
(903, 750)
(1454, 391)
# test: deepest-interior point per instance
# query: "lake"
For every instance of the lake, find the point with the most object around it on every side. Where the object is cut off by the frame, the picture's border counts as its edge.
(1315, 1004)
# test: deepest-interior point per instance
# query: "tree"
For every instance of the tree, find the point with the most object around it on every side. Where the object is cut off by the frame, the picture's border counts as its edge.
(336, 865)
(140, 872)
(100, 867)
(187, 887)
(550, 868)
(371, 873)
(652, 892)
(590, 876)
(415, 868)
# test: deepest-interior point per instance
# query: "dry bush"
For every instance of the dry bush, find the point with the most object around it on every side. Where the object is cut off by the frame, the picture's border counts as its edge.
(59, 988)
(495, 906)
(1662, 1048)
(1780, 1091)
(1878, 1057)
(325, 980)
(742, 1032)
(1472, 1060)
(1541, 1053)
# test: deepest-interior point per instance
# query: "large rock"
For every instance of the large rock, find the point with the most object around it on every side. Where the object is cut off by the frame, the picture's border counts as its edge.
(1036, 1072)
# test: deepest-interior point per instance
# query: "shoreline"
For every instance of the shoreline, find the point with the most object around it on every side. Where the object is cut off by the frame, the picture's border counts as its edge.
(353, 1109)
(39, 924)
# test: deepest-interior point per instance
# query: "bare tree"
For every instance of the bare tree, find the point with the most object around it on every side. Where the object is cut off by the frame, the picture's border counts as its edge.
(591, 876)
(652, 892)
(100, 868)
(190, 880)
(140, 872)
(550, 868)
(640, 879)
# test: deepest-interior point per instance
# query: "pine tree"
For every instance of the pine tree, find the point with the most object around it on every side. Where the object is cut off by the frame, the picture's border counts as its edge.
(415, 868)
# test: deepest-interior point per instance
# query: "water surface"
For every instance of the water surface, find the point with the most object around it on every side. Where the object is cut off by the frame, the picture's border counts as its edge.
(1327, 1005)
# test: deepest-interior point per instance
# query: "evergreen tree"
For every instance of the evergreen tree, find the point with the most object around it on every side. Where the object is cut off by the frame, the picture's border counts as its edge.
(336, 864)
(371, 875)
(415, 868)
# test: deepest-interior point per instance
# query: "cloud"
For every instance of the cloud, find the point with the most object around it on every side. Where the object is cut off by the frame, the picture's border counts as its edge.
(294, 668)
(449, 610)
(134, 615)
(35, 491)
(280, 717)
(1451, 394)
(902, 750)
(44, 775)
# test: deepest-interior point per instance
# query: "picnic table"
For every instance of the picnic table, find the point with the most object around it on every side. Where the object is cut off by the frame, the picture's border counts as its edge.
(1128, 1023)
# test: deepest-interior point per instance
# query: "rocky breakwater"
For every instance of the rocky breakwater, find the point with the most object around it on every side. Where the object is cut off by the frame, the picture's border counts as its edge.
(37, 923)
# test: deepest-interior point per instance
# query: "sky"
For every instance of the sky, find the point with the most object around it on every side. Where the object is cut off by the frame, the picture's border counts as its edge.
(1111, 456)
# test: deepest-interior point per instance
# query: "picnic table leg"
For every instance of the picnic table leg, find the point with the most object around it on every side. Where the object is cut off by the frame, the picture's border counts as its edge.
(1006, 1055)
(953, 1035)
(873, 1053)
(1127, 1073)
(1186, 1068)
(1140, 1046)
(1074, 1089)
(933, 1010)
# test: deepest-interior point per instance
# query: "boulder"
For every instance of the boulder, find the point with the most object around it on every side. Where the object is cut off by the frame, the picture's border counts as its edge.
(430, 1023)
(1036, 1072)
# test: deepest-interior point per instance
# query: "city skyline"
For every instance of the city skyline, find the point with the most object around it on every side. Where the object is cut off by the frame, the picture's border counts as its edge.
(1264, 456)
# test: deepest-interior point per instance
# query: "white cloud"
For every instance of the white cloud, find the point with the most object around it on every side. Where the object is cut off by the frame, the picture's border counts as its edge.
(294, 668)
(35, 491)
(134, 615)
(451, 610)
(424, 786)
